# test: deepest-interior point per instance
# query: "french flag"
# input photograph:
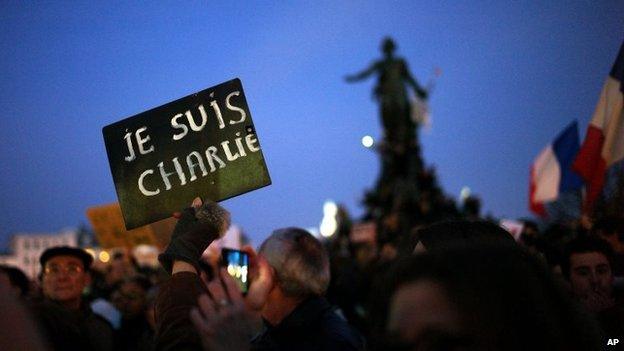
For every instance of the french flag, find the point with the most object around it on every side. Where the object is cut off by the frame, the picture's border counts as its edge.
(604, 142)
(551, 172)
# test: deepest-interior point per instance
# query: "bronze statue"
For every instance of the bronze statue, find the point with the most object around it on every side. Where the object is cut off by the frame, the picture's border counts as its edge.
(393, 76)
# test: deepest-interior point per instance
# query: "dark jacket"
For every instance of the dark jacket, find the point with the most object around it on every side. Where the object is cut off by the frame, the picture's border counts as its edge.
(134, 334)
(176, 297)
(67, 330)
(611, 320)
(313, 325)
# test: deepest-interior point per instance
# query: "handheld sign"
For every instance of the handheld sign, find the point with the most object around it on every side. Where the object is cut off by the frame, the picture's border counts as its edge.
(203, 144)
(110, 231)
(365, 232)
(107, 223)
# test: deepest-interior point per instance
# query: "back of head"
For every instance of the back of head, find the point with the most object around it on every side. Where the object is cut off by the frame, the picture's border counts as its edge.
(452, 232)
(17, 279)
(504, 297)
(300, 262)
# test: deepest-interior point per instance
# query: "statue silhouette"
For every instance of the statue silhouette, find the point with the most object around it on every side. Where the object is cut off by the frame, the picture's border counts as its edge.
(406, 193)
(391, 92)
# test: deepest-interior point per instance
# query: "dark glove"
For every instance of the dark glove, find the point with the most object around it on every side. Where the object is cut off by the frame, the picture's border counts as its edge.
(195, 230)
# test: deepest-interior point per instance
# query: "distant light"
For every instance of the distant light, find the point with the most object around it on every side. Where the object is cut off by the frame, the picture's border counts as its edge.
(368, 141)
(328, 226)
(464, 193)
(328, 223)
(104, 256)
(90, 252)
(330, 209)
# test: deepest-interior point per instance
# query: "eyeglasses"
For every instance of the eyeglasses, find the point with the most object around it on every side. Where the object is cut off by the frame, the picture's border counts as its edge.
(71, 270)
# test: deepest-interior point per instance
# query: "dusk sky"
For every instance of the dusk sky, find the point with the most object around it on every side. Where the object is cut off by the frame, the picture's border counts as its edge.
(513, 76)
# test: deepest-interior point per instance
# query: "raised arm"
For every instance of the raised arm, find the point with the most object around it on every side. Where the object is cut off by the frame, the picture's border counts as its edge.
(197, 227)
(363, 74)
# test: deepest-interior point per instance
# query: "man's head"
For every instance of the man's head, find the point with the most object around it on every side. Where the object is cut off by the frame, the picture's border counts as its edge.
(65, 274)
(443, 234)
(461, 296)
(300, 262)
(586, 264)
(16, 279)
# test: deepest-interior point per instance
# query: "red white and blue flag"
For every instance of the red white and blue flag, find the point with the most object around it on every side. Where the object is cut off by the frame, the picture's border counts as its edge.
(604, 141)
(551, 172)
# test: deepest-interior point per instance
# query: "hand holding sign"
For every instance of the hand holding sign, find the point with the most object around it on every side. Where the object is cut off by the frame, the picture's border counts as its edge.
(198, 226)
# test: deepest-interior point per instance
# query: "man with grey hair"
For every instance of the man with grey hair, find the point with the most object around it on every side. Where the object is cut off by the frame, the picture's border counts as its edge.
(296, 315)
(288, 299)
(300, 261)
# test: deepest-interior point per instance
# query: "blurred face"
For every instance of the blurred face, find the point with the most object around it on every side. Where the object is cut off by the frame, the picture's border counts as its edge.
(590, 273)
(131, 299)
(421, 314)
(64, 279)
(117, 270)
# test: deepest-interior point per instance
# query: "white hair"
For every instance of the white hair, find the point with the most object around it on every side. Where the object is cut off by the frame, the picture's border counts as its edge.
(300, 261)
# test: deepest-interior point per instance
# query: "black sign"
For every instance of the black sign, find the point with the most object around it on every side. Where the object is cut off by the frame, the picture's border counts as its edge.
(203, 145)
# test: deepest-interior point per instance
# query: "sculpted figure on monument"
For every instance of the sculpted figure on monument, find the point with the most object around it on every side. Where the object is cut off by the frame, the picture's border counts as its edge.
(393, 77)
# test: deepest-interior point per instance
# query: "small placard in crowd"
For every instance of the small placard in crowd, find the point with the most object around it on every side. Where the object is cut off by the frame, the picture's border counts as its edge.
(109, 229)
(365, 232)
(204, 144)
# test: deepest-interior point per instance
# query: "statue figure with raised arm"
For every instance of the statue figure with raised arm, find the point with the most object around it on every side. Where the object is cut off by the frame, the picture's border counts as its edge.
(391, 92)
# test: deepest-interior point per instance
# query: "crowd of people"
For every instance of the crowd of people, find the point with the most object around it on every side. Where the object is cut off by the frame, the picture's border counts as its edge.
(458, 284)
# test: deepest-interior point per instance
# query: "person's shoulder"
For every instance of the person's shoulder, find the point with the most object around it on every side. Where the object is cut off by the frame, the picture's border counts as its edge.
(338, 334)
(100, 323)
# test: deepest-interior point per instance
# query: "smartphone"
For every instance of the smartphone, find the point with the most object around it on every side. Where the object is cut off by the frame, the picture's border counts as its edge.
(237, 264)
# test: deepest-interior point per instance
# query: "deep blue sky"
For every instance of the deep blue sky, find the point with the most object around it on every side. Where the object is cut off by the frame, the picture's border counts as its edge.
(514, 75)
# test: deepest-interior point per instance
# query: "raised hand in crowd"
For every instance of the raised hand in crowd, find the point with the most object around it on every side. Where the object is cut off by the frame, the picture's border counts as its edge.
(197, 227)
(224, 318)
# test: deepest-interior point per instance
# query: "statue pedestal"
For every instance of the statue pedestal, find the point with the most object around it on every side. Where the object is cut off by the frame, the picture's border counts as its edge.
(406, 194)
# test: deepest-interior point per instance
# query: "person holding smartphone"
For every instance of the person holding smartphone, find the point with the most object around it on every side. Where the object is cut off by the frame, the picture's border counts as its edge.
(197, 227)
(283, 309)
(294, 313)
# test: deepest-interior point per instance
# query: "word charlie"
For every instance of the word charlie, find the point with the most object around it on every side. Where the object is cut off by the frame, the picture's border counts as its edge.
(196, 163)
